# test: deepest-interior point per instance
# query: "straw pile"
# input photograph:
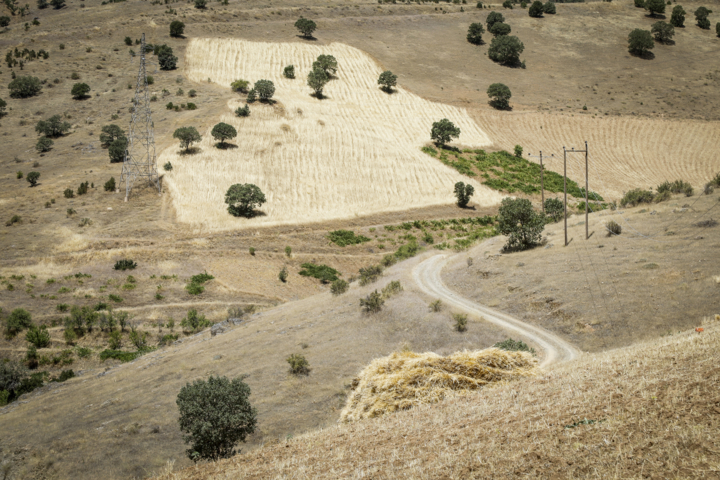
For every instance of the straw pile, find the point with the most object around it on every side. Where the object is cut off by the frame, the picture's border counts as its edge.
(406, 379)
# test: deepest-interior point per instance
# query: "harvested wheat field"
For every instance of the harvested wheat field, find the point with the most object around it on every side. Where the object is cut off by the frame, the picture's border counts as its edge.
(407, 379)
(625, 152)
(353, 153)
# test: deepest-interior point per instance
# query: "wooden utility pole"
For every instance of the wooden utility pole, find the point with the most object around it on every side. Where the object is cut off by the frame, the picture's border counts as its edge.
(565, 192)
(587, 228)
(542, 178)
(587, 235)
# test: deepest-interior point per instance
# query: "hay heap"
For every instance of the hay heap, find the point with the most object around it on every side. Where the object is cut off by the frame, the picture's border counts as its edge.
(405, 379)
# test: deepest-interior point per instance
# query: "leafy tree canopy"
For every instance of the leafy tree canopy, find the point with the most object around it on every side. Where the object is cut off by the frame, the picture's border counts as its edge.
(387, 80)
(499, 94)
(177, 28)
(536, 9)
(475, 32)
(265, 89)
(677, 19)
(500, 29)
(317, 79)
(443, 131)
(663, 31)
(116, 150)
(640, 42)
(187, 136)
(327, 63)
(110, 133)
(463, 193)
(522, 224)
(44, 144)
(223, 131)
(52, 127)
(242, 199)
(549, 8)
(655, 6)
(24, 87)
(80, 90)
(506, 50)
(493, 18)
(306, 27)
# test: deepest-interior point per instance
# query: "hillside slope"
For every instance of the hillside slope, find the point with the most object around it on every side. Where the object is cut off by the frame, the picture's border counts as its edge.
(648, 411)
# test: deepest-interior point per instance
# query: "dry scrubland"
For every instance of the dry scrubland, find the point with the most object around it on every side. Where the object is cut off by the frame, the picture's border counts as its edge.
(355, 152)
(646, 411)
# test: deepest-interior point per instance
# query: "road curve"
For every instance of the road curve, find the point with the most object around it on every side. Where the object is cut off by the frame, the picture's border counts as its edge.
(427, 276)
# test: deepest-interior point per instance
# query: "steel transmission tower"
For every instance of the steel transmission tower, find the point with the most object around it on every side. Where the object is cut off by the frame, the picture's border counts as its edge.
(139, 159)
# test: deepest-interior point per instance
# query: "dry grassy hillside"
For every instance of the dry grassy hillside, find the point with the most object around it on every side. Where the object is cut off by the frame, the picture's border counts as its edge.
(647, 411)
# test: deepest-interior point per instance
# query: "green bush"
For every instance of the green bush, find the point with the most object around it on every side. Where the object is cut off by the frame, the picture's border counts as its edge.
(506, 50)
(554, 210)
(322, 272)
(12, 376)
(19, 320)
(240, 86)
(370, 274)
(80, 91)
(701, 16)
(436, 305)
(289, 71)
(372, 303)
(116, 150)
(242, 199)
(265, 89)
(194, 321)
(52, 127)
(339, 286)
(44, 144)
(677, 19)
(387, 80)
(119, 355)
(177, 28)
(636, 196)
(139, 339)
(655, 7)
(84, 352)
(474, 34)
(115, 298)
(493, 18)
(298, 364)
(392, 288)
(243, 111)
(201, 278)
(463, 193)
(499, 95)
(306, 27)
(125, 264)
(521, 223)
(536, 9)
(514, 346)
(24, 87)
(443, 131)
(317, 79)
(460, 321)
(38, 336)
(663, 31)
(613, 228)
(283, 275)
(678, 186)
(214, 416)
(64, 375)
(343, 238)
(32, 178)
(110, 185)
(549, 8)
(640, 42)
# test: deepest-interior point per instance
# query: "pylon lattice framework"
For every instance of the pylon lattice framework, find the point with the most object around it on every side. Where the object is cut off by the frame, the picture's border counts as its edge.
(140, 152)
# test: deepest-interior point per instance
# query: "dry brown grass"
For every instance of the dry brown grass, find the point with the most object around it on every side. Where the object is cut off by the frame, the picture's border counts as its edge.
(406, 379)
(647, 411)
(354, 153)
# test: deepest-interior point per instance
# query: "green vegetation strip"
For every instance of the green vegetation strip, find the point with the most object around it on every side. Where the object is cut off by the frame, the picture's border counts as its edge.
(344, 238)
(322, 272)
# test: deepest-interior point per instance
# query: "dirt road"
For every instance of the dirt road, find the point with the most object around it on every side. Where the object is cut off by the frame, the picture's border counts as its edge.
(427, 276)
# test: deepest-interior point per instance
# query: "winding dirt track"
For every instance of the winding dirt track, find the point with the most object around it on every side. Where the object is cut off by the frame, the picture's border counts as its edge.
(427, 276)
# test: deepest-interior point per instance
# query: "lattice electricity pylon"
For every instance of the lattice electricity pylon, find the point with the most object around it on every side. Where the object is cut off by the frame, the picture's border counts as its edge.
(140, 152)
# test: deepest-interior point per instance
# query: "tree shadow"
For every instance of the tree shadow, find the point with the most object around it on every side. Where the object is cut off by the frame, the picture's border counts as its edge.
(656, 16)
(189, 151)
(448, 148)
(319, 96)
(388, 90)
(310, 38)
(500, 106)
(225, 146)
(267, 101)
(249, 214)
(666, 42)
(646, 55)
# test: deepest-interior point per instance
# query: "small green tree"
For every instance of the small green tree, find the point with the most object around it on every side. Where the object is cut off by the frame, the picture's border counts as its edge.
(663, 31)
(289, 71)
(240, 86)
(24, 87)
(80, 91)
(639, 3)
(33, 178)
(640, 42)
(19, 320)
(655, 7)
(223, 131)
(554, 210)
(200, 4)
(306, 27)
(265, 89)
(327, 63)
(518, 151)
(317, 79)
(298, 364)
(536, 10)
(549, 7)
(110, 133)
(177, 28)
(3, 105)
(443, 131)
(52, 127)
(677, 18)
(506, 50)
(521, 223)
(498, 29)
(701, 16)
(57, 4)
(38, 336)
(463, 193)
(243, 111)
(508, 4)
(252, 96)
(116, 150)
(493, 18)
(215, 415)
(474, 34)
(44, 144)
(110, 185)
(388, 80)
(499, 94)
(166, 59)
(187, 136)
(128, 41)
(242, 199)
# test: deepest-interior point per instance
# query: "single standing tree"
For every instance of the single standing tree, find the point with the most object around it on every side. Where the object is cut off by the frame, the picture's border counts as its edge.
(80, 91)
(493, 18)
(200, 4)
(306, 27)
(327, 63)
(177, 28)
(387, 80)
(57, 4)
(317, 79)
(223, 131)
(717, 30)
(33, 177)
(240, 86)
(265, 89)
(215, 415)
(443, 131)
(187, 136)
(463, 193)
(536, 9)
(166, 59)
(44, 144)
(3, 105)
(24, 87)
(475, 32)
(521, 223)
(116, 150)
(289, 71)
(655, 7)
(701, 15)
(506, 50)
(52, 127)
(4, 21)
(663, 31)
(518, 151)
(549, 8)
(110, 133)
(242, 199)
(677, 19)
(499, 94)
(640, 42)
(639, 3)
(498, 29)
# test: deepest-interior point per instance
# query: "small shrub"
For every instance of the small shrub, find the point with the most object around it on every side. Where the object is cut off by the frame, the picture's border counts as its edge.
(372, 303)
(514, 346)
(243, 111)
(344, 238)
(62, 307)
(240, 86)
(119, 355)
(194, 322)
(636, 196)
(64, 375)
(13, 220)
(283, 275)
(252, 251)
(84, 352)
(177, 28)
(392, 288)
(288, 252)
(460, 321)
(436, 306)
(167, 167)
(298, 364)
(38, 336)
(554, 210)
(125, 264)
(322, 272)
(289, 71)
(139, 339)
(80, 91)
(115, 340)
(194, 288)
(19, 320)
(44, 144)
(370, 274)
(110, 185)
(463, 193)
(613, 228)
(339, 286)
(115, 298)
